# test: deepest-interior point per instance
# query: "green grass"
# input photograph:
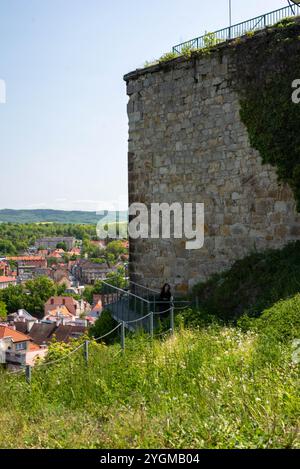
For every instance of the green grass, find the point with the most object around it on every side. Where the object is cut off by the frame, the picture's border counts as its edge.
(209, 388)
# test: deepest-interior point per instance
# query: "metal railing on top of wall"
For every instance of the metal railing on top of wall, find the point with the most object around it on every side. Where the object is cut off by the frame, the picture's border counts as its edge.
(238, 30)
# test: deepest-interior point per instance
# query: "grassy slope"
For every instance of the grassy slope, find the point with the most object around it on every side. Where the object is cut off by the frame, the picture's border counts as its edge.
(208, 387)
(212, 388)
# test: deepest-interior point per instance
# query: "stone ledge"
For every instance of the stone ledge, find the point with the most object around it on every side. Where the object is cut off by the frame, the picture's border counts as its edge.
(168, 65)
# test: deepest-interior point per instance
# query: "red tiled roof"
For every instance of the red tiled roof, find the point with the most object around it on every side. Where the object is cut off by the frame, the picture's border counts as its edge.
(97, 307)
(7, 279)
(33, 347)
(56, 301)
(15, 335)
(26, 258)
(56, 255)
(59, 310)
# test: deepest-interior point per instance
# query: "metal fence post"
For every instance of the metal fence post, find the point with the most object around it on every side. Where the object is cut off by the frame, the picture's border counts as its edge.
(86, 352)
(172, 319)
(123, 336)
(128, 303)
(151, 325)
(28, 374)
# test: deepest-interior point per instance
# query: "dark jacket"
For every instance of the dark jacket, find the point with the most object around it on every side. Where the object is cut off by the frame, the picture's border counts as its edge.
(165, 301)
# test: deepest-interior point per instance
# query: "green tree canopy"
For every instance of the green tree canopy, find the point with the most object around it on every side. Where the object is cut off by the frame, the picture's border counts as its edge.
(3, 310)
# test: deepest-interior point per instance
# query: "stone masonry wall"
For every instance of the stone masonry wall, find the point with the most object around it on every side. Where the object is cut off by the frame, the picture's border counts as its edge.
(188, 144)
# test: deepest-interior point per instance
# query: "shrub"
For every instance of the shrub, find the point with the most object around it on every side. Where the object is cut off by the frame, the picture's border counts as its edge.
(252, 285)
(104, 325)
(282, 320)
(210, 40)
(168, 56)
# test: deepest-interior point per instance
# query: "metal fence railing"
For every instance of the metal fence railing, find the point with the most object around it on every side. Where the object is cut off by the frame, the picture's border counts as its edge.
(134, 305)
(238, 30)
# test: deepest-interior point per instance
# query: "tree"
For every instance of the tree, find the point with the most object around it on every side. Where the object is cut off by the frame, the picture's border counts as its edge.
(14, 297)
(117, 278)
(40, 290)
(3, 311)
(103, 325)
(62, 246)
(92, 250)
(88, 294)
(111, 259)
(116, 248)
(7, 248)
(60, 289)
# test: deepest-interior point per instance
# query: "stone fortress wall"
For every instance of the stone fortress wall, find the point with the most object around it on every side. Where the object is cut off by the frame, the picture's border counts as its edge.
(187, 143)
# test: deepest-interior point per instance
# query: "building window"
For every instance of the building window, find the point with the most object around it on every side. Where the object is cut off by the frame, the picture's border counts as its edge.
(21, 346)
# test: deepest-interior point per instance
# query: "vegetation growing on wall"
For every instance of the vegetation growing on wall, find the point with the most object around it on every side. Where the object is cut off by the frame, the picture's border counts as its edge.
(252, 285)
(266, 69)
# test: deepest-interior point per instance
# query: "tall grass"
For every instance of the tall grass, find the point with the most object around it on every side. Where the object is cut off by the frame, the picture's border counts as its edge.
(208, 388)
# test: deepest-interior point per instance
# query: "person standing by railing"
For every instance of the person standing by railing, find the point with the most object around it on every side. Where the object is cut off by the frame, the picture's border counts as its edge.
(165, 298)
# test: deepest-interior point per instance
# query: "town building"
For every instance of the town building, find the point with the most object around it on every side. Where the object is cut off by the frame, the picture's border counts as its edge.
(96, 310)
(75, 252)
(30, 261)
(43, 333)
(18, 349)
(29, 267)
(52, 242)
(22, 321)
(75, 307)
(4, 268)
(87, 272)
(7, 281)
(61, 276)
(60, 315)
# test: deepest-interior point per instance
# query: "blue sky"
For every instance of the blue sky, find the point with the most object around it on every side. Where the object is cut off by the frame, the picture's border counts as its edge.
(63, 129)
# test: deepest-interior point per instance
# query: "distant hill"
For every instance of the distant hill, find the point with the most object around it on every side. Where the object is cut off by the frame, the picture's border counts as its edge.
(57, 216)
